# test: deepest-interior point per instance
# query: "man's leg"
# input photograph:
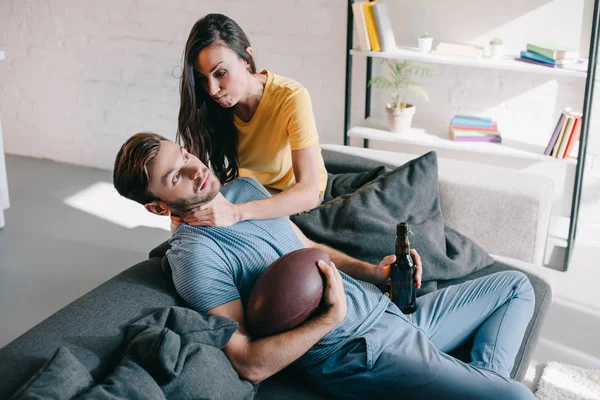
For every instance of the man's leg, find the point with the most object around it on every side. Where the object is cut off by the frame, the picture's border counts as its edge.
(396, 360)
(496, 308)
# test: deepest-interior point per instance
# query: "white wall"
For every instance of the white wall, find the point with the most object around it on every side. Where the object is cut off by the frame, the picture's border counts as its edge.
(82, 76)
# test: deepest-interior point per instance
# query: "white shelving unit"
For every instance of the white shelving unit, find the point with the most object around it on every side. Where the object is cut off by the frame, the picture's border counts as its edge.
(462, 150)
(524, 156)
(506, 63)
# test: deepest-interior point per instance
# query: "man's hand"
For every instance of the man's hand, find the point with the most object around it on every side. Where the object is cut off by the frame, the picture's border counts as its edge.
(219, 212)
(335, 298)
(418, 267)
(384, 270)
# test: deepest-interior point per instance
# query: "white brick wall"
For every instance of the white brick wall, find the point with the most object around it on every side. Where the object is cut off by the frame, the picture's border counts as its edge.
(82, 76)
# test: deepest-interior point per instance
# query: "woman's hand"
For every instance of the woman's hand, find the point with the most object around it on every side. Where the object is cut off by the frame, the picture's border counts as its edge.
(219, 212)
(383, 271)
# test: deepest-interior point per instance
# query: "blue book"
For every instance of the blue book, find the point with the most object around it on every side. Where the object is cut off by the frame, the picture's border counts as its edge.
(476, 122)
(529, 55)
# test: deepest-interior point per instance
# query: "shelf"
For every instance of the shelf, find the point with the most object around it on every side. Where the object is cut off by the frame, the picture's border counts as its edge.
(418, 137)
(506, 63)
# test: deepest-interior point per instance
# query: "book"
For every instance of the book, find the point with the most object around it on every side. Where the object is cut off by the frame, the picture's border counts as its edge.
(493, 129)
(574, 153)
(469, 132)
(476, 122)
(361, 27)
(384, 27)
(553, 51)
(527, 60)
(557, 129)
(568, 126)
(460, 50)
(485, 138)
(574, 138)
(568, 132)
(529, 55)
(371, 27)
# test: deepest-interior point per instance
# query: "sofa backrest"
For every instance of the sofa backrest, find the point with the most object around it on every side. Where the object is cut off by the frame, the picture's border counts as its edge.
(506, 211)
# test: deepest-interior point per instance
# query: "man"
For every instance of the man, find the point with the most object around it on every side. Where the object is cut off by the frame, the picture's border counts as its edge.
(362, 346)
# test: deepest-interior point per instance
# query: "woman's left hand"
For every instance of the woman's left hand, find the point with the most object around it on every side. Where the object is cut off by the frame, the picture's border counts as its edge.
(217, 213)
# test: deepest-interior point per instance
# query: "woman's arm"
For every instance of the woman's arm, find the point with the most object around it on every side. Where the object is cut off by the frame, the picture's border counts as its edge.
(303, 196)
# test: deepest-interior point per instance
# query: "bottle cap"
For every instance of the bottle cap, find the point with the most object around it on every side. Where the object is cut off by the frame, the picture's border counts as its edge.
(401, 229)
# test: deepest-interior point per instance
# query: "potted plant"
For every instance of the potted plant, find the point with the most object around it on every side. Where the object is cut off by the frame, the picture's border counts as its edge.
(496, 48)
(425, 43)
(399, 85)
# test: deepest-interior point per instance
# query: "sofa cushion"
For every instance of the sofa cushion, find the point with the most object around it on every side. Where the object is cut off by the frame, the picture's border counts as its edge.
(63, 377)
(362, 224)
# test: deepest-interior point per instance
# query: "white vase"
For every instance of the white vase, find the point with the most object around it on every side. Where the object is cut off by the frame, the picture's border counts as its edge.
(425, 44)
(400, 119)
(497, 51)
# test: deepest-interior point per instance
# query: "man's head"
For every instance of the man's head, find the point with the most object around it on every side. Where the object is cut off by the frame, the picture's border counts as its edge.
(162, 175)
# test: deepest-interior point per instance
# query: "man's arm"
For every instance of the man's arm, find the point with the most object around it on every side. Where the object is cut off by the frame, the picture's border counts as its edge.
(256, 360)
(355, 268)
(377, 274)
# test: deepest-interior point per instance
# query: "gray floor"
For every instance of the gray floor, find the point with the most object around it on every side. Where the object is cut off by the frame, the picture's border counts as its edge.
(51, 253)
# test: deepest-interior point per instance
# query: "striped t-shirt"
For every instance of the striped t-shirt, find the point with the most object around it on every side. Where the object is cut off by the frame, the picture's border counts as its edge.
(215, 265)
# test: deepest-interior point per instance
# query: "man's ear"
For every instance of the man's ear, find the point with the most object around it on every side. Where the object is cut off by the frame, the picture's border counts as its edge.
(158, 208)
(250, 51)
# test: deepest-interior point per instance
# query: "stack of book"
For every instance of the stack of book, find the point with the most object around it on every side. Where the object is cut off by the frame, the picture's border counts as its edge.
(552, 56)
(564, 141)
(373, 26)
(465, 128)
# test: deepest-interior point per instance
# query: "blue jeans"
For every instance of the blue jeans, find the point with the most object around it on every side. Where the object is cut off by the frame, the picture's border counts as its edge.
(404, 356)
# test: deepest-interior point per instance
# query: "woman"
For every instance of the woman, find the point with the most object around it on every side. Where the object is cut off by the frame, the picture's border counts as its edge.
(247, 124)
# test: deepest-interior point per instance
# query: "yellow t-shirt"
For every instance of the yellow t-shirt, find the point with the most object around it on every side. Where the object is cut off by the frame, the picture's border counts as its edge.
(282, 122)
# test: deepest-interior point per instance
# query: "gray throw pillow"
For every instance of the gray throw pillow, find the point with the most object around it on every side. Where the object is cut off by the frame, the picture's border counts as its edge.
(129, 381)
(362, 224)
(63, 377)
(181, 349)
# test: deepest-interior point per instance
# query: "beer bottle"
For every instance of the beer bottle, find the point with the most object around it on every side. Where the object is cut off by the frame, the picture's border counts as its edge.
(403, 291)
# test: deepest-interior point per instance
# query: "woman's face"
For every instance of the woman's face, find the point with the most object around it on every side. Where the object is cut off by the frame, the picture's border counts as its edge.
(223, 74)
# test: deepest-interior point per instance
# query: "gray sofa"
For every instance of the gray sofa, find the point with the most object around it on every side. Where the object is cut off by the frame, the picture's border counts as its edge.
(505, 211)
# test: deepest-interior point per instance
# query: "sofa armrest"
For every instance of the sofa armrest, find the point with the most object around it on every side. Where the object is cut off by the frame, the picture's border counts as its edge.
(505, 211)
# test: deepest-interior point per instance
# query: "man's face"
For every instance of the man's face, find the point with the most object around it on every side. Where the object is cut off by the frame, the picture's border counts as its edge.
(180, 180)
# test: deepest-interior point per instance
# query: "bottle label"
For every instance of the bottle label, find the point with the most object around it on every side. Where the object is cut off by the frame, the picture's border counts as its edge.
(403, 287)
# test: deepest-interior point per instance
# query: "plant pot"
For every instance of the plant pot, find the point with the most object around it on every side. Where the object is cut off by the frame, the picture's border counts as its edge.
(400, 119)
(425, 45)
(497, 51)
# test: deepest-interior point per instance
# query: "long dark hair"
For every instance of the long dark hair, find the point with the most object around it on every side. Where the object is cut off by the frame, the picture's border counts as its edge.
(206, 129)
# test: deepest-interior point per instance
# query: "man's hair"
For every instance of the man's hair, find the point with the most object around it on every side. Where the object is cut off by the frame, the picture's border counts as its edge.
(130, 174)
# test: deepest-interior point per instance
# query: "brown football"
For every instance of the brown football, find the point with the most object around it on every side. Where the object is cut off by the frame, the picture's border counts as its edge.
(287, 293)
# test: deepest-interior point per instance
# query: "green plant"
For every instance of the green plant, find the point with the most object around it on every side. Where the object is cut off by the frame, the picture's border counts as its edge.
(426, 35)
(401, 82)
(495, 42)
